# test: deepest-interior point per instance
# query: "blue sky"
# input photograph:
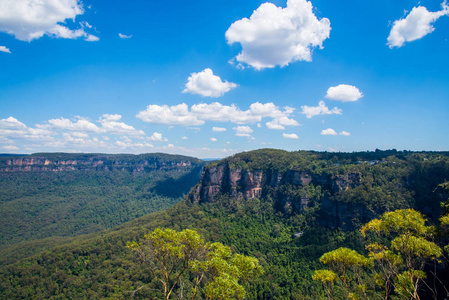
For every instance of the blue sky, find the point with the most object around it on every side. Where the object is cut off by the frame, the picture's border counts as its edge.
(213, 78)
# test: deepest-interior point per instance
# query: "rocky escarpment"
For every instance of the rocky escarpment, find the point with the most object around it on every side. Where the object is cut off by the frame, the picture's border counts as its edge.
(245, 184)
(292, 191)
(107, 162)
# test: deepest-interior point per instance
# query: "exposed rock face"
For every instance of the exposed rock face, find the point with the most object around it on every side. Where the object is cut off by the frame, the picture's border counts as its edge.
(243, 184)
(94, 162)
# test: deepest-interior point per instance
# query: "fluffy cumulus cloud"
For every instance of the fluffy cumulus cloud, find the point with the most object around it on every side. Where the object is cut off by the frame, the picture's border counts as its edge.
(218, 129)
(4, 49)
(223, 113)
(275, 36)
(345, 133)
(290, 136)
(321, 109)
(213, 139)
(31, 19)
(279, 118)
(109, 124)
(77, 134)
(12, 129)
(328, 131)
(217, 112)
(206, 84)
(157, 137)
(79, 125)
(243, 131)
(169, 115)
(417, 24)
(344, 93)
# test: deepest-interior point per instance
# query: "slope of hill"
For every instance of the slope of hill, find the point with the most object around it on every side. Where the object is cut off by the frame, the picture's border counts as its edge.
(57, 194)
(285, 208)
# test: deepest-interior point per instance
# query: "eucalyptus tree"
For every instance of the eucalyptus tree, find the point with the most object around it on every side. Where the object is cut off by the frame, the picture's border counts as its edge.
(210, 269)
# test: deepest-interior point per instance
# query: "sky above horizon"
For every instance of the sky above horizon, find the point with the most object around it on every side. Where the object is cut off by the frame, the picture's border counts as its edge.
(213, 78)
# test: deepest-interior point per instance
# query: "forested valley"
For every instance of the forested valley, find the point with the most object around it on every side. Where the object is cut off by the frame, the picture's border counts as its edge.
(47, 199)
(287, 209)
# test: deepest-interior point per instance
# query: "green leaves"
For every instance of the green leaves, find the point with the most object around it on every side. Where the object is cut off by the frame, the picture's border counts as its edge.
(398, 222)
(172, 254)
(325, 276)
(344, 258)
(398, 265)
(416, 246)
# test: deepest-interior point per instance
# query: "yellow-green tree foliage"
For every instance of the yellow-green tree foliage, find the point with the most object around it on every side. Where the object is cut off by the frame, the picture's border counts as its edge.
(397, 266)
(179, 259)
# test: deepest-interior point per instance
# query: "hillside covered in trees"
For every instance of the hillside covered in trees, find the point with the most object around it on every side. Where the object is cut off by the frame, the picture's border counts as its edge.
(285, 208)
(54, 196)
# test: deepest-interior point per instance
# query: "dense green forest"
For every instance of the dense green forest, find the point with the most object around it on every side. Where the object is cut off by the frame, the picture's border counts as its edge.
(88, 197)
(288, 226)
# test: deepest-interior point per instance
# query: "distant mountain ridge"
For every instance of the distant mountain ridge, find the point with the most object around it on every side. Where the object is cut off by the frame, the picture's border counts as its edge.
(70, 162)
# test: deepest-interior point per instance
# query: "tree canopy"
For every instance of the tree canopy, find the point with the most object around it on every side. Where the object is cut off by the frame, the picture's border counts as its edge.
(181, 259)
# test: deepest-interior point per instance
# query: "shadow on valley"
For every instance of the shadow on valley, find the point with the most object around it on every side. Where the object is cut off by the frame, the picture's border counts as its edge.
(178, 187)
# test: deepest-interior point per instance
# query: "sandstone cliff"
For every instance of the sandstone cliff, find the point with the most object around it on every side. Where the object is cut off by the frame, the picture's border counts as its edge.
(108, 162)
(291, 191)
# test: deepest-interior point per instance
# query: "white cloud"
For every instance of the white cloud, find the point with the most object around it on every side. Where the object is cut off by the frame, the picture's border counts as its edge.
(110, 124)
(72, 139)
(274, 125)
(321, 109)
(344, 93)
(11, 123)
(85, 24)
(416, 25)
(10, 148)
(200, 113)
(278, 36)
(124, 36)
(46, 137)
(280, 118)
(218, 129)
(157, 137)
(328, 131)
(79, 125)
(223, 113)
(290, 136)
(213, 139)
(92, 38)
(4, 49)
(133, 146)
(79, 134)
(31, 19)
(279, 123)
(11, 129)
(345, 133)
(243, 131)
(184, 138)
(206, 84)
(169, 115)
